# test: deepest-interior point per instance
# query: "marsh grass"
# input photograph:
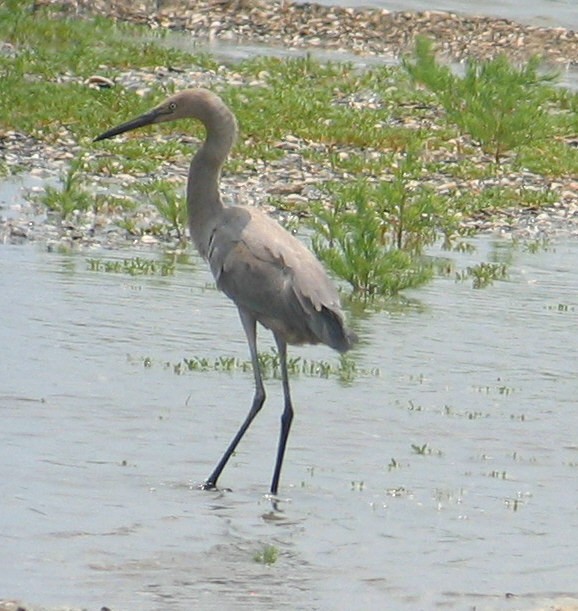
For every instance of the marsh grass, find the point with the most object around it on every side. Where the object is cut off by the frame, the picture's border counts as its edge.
(268, 554)
(483, 274)
(552, 158)
(135, 266)
(169, 202)
(494, 199)
(331, 104)
(345, 370)
(52, 57)
(374, 234)
(71, 196)
(501, 106)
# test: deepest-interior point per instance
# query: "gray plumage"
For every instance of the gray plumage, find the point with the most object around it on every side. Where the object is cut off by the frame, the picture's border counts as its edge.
(269, 274)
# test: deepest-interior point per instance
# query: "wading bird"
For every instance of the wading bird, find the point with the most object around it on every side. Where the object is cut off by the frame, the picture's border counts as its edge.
(269, 274)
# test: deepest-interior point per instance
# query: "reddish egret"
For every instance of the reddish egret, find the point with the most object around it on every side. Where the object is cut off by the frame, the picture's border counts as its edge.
(269, 274)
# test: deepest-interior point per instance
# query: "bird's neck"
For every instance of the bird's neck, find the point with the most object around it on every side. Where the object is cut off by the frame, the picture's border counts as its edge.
(203, 193)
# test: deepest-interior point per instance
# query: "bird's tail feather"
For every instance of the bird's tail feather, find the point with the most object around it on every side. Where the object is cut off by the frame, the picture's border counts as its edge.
(332, 330)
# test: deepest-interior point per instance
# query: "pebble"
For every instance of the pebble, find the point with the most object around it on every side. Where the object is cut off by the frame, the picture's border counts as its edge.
(99, 82)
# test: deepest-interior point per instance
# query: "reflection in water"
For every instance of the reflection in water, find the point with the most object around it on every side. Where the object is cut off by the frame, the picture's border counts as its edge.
(432, 484)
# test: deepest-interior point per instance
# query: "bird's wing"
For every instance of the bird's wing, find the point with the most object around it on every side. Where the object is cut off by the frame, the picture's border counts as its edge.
(257, 250)
(270, 273)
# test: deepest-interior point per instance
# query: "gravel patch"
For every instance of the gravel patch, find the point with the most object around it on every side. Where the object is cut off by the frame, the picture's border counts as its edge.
(357, 30)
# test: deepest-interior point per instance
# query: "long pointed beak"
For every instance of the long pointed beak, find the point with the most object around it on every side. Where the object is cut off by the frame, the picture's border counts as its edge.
(146, 119)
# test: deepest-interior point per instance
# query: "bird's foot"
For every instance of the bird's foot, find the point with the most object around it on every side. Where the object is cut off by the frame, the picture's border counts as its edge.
(209, 485)
(276, 502)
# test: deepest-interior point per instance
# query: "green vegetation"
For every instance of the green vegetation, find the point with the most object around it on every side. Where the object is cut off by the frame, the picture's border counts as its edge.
(497, 104)
(425, 450)
(267, 555)
(136, 266)
(375, 234)
(170, 204)
(71, 196)
(484, 274)
(421, 450)
(346, 370)
(378, 144)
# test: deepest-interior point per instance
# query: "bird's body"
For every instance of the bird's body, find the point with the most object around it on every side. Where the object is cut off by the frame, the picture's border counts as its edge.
(269, 274)
(279, 282)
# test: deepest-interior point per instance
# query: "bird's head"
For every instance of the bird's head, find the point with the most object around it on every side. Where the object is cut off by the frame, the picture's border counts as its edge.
(192, 103)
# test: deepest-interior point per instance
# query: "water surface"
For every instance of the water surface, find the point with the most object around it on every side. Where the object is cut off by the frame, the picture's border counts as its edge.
(99, 456)
(447, 481)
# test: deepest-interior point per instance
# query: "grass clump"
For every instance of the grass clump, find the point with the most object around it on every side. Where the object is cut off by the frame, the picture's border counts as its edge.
(373, 234)
(493, 199)
(483, 274)
(170, 204)
(135, 266)
(552, 158)
(71, 196)
(346, 370)
(497, 104)
(268, 554)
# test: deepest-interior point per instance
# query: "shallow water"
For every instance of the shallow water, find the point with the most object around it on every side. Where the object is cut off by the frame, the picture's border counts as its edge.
(99, 456)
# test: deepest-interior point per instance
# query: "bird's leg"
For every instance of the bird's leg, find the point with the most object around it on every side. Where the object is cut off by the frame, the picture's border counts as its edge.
(286, 417)
(249, 325)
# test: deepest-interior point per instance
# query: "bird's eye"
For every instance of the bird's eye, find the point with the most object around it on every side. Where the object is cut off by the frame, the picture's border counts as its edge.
(172, 106)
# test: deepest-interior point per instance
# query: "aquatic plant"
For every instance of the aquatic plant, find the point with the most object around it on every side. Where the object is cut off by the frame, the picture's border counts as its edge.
(425, 450)
(373, 234)
(422, 450)
(346, 370)
(483, 274)
(135, 266)
(268, 554)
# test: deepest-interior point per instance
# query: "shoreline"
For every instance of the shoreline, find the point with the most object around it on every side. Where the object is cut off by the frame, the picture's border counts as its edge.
(362, 31)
